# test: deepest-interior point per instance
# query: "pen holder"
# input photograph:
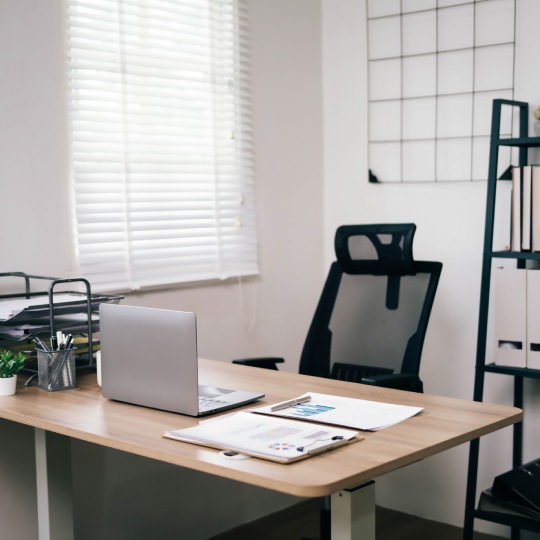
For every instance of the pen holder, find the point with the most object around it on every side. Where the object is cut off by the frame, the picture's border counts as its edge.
(56, 369)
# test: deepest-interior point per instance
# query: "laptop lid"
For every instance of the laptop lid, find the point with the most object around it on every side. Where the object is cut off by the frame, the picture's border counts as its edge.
(149, 358)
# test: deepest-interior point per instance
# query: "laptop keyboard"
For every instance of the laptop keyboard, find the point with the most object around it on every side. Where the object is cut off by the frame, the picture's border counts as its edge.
(209, 403)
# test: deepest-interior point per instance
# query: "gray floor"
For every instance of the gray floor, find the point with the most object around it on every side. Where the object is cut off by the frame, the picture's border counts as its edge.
(302, 521)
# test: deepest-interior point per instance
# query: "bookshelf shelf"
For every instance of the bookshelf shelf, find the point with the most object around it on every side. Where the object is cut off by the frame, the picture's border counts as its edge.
(509, 519)
(526, 373)
(518, 255)
(523, 143)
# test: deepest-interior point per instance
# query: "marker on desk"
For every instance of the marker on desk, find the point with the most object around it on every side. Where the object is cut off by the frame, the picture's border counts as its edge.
(291, 403)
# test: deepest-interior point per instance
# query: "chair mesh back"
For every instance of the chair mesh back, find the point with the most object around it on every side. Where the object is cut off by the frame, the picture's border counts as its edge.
(365, 331)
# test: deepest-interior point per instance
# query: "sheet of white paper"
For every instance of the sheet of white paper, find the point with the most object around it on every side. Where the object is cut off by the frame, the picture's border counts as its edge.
(341, 411)
(10, 308)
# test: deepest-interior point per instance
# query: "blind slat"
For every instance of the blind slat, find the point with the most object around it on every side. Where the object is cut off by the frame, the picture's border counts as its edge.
(162, 159)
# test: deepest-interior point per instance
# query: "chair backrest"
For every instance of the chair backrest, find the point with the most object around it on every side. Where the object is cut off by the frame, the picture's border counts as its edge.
(374, 310)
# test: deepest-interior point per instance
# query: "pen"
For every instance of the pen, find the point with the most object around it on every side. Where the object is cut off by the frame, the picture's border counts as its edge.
(326, 448)
(291, 403)
(40, 343)
(60, 339)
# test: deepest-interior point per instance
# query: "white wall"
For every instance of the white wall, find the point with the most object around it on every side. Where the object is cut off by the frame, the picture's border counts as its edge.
(34, 188)
(450, 220)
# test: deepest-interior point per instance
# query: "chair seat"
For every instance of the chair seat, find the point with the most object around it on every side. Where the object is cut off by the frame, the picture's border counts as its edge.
(356, 372)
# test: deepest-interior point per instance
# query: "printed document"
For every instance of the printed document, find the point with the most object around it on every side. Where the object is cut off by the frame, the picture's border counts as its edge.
(341, 411)
(276, 439)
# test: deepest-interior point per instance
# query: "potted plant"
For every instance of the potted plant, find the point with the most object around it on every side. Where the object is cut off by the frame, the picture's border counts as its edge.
(536, 114)
(10, 365)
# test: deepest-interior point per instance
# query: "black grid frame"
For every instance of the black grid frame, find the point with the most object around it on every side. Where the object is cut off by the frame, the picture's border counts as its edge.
(435, 67)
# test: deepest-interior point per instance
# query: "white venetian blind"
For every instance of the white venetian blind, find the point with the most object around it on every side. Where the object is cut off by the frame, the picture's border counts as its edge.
(162, 161)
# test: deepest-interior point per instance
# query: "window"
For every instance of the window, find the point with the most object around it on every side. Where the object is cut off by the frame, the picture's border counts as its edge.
(161, 155)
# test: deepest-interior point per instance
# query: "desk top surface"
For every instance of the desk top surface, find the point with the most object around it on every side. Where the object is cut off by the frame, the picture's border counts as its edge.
(83, 413)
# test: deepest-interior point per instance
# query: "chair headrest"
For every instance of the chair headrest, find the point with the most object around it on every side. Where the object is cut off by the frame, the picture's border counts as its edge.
(379, 249)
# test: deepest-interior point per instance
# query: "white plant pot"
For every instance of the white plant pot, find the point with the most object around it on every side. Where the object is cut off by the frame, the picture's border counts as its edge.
(8, 386)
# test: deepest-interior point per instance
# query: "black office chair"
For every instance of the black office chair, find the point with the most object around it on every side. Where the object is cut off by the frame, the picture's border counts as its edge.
(371, 320)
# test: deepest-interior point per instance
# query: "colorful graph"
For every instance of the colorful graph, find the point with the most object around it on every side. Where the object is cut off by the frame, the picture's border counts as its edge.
(282, 446)
(309, 409)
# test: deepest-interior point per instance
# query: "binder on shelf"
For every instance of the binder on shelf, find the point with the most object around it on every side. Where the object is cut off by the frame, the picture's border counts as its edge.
(535, 207)
(533, 319)
(510, 317)
(489, 503)
(516, 209)
(526, 195)
(519, 488)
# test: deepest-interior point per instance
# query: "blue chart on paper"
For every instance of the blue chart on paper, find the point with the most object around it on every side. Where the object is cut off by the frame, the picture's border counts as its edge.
(309, 409)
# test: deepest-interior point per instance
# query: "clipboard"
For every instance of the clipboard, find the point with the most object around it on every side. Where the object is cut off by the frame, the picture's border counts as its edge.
(271, 438)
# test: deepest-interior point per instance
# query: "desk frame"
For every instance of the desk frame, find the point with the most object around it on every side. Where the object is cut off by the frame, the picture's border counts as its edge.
(54, 486)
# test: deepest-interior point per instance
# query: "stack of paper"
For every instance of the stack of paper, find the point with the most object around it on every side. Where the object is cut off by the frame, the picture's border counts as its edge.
(24, 309)
(23, 317)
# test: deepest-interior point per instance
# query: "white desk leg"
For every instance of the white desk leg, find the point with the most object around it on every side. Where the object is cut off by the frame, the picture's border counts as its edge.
(54, 490)
(353, 513)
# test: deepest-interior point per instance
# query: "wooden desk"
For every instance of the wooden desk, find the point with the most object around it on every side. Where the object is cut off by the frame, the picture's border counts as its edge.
(82, 413)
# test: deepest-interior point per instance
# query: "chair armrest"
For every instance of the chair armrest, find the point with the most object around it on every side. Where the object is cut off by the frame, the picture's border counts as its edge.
(266, 363)
(401, 381)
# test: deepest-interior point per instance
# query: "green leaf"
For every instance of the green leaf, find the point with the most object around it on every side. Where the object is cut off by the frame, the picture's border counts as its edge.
(9, 364)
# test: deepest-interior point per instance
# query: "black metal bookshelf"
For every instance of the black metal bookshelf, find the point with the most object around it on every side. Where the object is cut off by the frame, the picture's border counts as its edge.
(500, 515)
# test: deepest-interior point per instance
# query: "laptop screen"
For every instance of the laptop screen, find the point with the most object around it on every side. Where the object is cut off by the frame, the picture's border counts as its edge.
(149, 357)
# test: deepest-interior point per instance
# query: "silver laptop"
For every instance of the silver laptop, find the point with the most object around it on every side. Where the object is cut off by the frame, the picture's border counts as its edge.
(149, 358)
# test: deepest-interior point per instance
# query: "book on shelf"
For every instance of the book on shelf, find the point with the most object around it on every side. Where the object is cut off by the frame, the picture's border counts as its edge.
(535, 207)
(516, 209)
(526, 222)
(525, 208)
